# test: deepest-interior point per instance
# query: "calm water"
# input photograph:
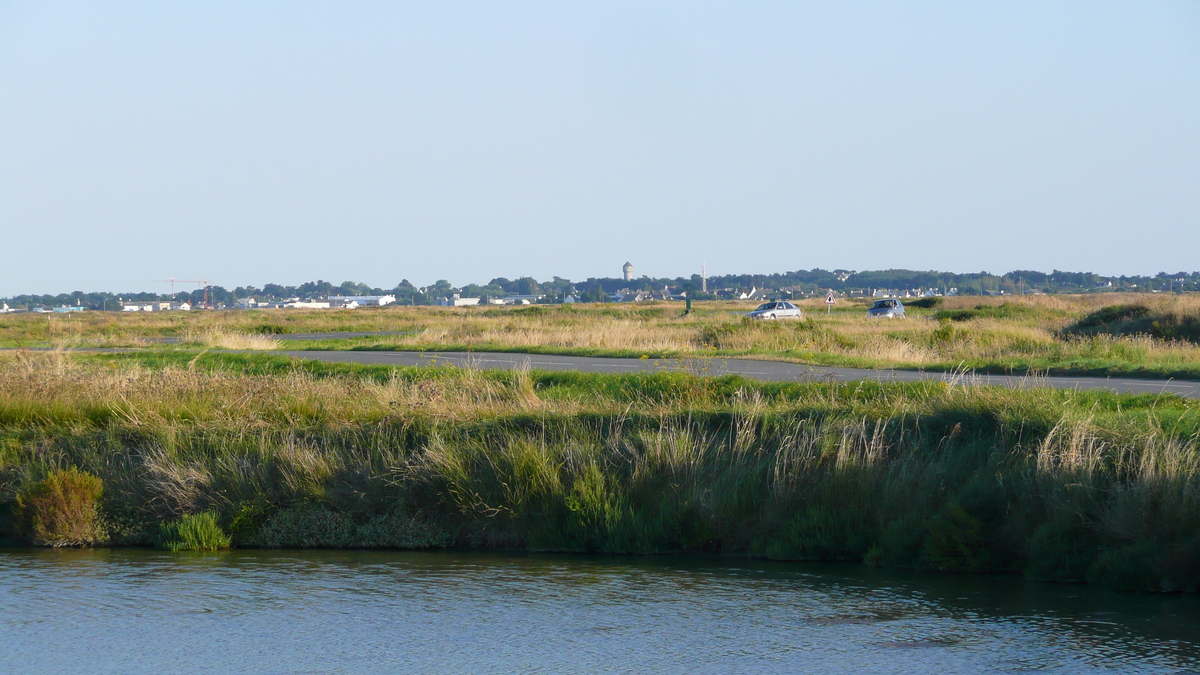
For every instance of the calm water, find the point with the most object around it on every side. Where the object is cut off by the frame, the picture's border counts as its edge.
(130, 611)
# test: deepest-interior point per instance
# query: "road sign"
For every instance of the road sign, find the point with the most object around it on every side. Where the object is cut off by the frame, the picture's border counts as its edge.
(829, 298)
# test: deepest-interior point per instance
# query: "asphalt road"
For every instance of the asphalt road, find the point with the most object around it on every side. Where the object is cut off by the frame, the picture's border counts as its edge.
(759, 370)
(299, 336)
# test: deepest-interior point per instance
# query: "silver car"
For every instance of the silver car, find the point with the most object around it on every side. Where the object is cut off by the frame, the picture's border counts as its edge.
(776, 310)
(889, 308)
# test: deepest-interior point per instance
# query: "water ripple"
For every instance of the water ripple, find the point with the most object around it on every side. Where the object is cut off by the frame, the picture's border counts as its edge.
(133, 611)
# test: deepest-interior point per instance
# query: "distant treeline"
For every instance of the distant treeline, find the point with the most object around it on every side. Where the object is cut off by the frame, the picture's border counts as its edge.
(597, 289)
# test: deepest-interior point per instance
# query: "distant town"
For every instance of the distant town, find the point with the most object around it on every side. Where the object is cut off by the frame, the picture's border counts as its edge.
(628, 287)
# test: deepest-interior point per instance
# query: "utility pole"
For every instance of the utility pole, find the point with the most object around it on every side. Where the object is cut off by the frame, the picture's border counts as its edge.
(703, 277)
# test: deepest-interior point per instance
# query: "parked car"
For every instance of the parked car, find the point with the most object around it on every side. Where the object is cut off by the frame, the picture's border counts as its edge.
(776, 310)
(890, 308)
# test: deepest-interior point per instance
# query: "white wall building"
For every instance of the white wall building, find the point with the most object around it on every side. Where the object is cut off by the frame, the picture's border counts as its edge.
(155, 306)
(456, 301)
(362, 300)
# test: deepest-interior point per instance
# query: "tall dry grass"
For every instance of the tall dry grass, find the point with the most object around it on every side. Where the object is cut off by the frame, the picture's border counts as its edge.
(1028, 337)
(1058, 484)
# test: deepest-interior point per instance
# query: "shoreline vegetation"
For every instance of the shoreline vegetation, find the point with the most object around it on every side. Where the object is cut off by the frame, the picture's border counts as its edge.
(1118, 335)
(202, 451)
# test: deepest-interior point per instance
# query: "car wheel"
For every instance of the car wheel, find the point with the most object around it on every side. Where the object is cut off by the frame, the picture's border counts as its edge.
(771, 317)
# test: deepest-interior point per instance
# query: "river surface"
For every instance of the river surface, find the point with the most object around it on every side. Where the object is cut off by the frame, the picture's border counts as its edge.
(139, 611)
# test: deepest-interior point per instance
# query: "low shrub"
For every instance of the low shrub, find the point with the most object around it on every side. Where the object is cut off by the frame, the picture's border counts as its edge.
(1062, 551)
(248, 520)
(402, 531)
(1138, 320)
(1129, 568)
(1112, 314)
(924, 303)
(1005, 310)
(306, 527)
(318, 527)
(61, 510)
(955, 315)
(946, 334)
(956, 542)
(195, 532)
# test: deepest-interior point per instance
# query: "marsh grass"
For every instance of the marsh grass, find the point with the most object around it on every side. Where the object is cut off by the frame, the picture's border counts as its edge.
(1009, 334)
(1061, 485)
(224, 339)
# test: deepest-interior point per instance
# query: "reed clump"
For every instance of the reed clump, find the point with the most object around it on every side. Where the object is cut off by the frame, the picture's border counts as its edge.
(1061, 485)
(194, 532)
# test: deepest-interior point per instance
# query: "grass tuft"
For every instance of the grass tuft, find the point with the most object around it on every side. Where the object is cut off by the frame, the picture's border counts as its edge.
(194, 532)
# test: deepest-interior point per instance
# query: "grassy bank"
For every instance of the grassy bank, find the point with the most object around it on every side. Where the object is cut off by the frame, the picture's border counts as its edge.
(1045, 334)
(1062, 485)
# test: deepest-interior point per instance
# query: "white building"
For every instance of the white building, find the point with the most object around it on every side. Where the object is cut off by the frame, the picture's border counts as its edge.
(522, 299)
(154, 306)
(296, 303)
(306, 304)
(456, 301)
(362, 300)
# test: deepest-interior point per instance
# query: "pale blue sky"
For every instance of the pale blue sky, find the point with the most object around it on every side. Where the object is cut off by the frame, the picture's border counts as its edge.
(284, 142)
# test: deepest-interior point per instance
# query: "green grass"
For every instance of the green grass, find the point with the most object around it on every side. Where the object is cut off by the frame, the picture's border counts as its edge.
(193, 532)
(1102, 363)
(1068, 335)
(1053, 484)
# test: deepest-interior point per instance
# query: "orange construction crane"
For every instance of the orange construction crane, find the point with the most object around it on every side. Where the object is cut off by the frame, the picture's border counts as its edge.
(201, 281)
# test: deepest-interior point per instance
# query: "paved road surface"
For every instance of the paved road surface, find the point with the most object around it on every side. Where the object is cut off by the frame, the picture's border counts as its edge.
(758, 370)
(299, 336)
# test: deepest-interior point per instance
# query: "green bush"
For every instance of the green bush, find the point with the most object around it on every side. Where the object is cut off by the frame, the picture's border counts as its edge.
(823, 533)
(946, 334)
(248, 520)
(924, 303)
(1137, 320)
(1129, 568)
(1112, 314)
(955, 315)
(1062, 551)
(195, 532)
(306, 527)
(1005, 310)
(270, 329)
(61, 510)
(402, 531)
(956, 542)
(899, 542)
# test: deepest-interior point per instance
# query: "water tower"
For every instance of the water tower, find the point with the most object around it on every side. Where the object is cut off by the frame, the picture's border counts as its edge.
(627, 270)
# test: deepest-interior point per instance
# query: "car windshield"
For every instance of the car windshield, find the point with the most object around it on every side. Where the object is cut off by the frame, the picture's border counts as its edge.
(765, 305)
(881, 304)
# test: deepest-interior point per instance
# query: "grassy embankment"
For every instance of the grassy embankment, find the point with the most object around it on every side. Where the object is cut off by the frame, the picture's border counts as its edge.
(1061, 485)
(1044, 334)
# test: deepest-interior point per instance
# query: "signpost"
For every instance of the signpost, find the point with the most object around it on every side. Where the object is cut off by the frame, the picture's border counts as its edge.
(829, 302)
